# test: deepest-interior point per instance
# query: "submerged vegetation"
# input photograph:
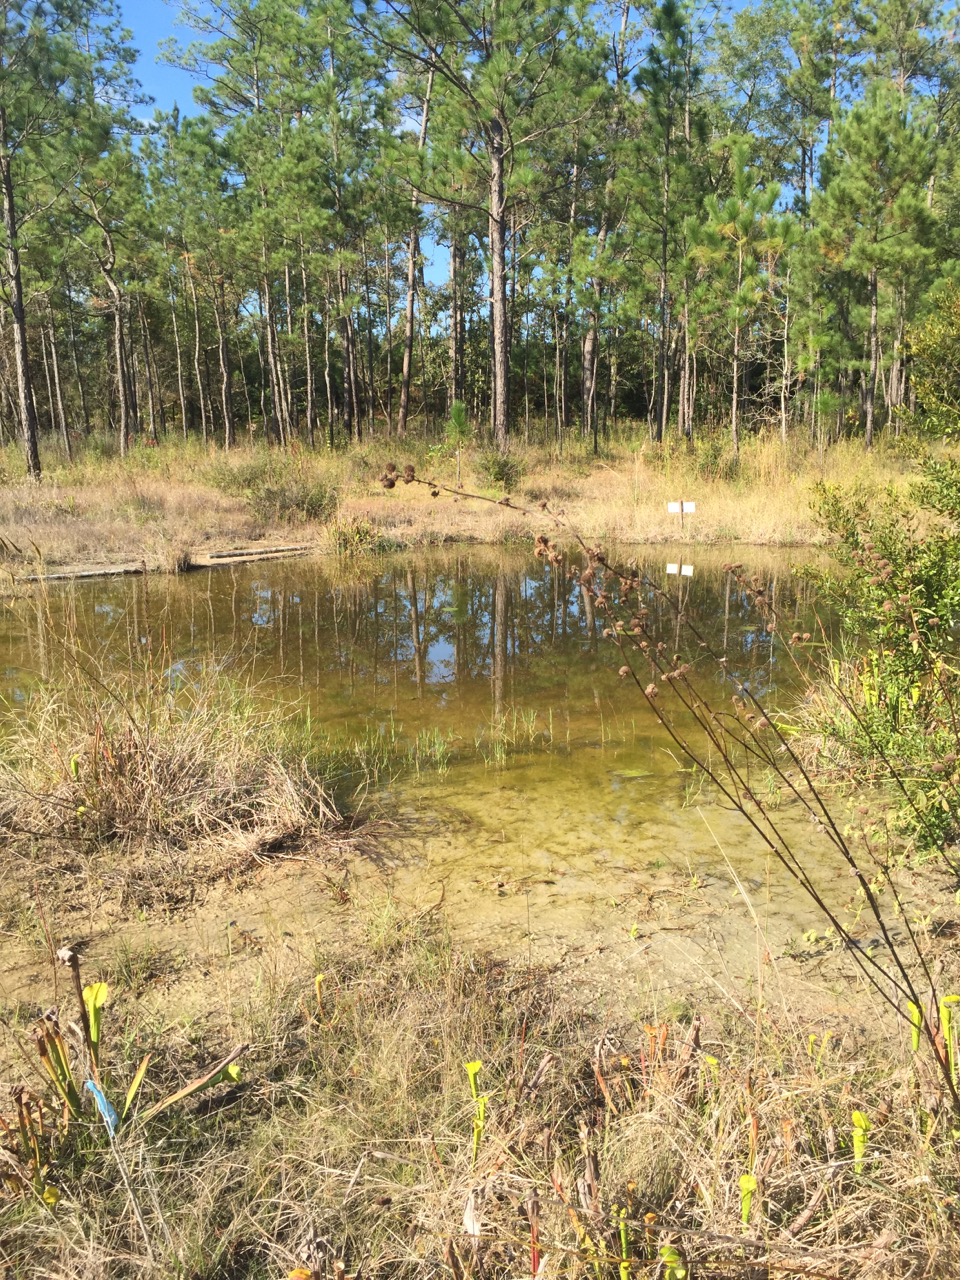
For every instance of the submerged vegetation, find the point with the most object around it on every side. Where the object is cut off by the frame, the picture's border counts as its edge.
(685, 264)
(406, 1109)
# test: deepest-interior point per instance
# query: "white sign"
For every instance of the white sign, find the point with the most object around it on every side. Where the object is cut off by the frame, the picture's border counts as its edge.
(674, 508)
(685, 570)
(687, 507)
(672, 568)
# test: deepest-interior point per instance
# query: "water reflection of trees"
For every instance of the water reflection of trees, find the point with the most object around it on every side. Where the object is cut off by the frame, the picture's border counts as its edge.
(437, 625)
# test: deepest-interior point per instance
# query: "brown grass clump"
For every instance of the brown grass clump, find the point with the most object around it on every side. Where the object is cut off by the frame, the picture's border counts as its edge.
(354, 1145)
(157, 781)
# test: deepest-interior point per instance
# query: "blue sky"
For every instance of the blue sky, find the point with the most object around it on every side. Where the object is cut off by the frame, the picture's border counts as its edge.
(152, 21)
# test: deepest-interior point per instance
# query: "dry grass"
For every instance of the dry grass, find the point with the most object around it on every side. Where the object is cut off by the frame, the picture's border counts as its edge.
(348, 1148)
(150, 781)
(622, 497)
(168, 504)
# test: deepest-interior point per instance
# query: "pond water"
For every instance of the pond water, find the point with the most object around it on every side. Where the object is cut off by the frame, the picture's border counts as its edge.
(523, 780)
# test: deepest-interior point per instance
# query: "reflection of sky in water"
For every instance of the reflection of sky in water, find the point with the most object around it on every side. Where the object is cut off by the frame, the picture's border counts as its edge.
(264, 614)
(427, 635)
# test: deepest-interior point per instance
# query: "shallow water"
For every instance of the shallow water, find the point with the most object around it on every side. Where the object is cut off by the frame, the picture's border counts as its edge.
(523, 779)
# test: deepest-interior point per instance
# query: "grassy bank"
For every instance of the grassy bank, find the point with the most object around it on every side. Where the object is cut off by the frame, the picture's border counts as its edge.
(167, 504)
(307, 1108)
(752, 1144)
(144, 782)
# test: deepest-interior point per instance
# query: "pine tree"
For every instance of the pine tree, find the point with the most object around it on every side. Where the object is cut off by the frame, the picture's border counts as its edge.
(874, 227)
(516, 72)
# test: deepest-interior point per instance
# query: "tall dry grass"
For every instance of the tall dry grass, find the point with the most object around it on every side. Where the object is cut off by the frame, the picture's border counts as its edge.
(164, 504)
(157, 777)
(352, 1147)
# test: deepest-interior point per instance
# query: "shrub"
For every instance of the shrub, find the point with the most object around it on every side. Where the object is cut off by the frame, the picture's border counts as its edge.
(890, 709)
(276, 489)
(500, 470)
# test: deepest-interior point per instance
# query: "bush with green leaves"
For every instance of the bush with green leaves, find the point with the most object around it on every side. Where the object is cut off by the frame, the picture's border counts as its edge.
(276, 490)
(891, 708)
(934, 342)
(500, 470)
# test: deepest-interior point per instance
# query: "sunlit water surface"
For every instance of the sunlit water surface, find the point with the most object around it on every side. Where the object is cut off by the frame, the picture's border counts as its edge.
(524, 781)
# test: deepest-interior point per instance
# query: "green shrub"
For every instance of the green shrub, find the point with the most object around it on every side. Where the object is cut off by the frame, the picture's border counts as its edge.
(500, 470)
(293, 501)
(890, 709)
(276, 489)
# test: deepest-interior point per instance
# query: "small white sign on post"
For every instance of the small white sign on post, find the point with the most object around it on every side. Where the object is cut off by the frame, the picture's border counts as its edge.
(681, 509)
(685, 570)
(672, 568)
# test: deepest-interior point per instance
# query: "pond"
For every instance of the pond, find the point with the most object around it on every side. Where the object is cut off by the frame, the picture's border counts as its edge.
(520, 779)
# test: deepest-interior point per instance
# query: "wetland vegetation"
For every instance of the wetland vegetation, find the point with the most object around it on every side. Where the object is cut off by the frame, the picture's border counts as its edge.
(539, 881)
(430, 854)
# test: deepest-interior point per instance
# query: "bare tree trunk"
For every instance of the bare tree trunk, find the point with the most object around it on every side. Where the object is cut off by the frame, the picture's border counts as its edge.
(458, 389)
(45, 359)
(277, 401)
(785, 358)
(205, 423)
(348, 337)
(178, 353)
(663, 394)
(413, 253)
(736, 365)
(148, 370)
(75, 358)
(310, 407)
(685, 426)
(27, 406)
(107, 263)
(328, 385)
(58, 391)
(389, 335)
(872, 381)
(500, 364)
(223, 353)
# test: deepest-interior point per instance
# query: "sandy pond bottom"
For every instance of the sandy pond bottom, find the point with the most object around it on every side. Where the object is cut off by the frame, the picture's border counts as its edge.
(644, 902)
(586, 847)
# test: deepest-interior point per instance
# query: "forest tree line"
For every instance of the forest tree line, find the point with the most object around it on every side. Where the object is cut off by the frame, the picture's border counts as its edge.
(564, 215)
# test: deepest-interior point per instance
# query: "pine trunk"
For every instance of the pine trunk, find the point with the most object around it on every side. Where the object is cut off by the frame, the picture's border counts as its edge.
(872, 380)
(500, 363)
(26, 405)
